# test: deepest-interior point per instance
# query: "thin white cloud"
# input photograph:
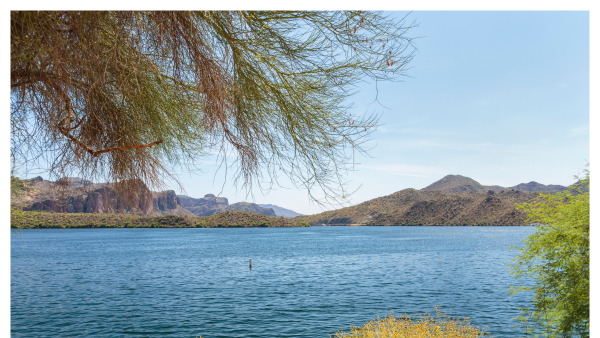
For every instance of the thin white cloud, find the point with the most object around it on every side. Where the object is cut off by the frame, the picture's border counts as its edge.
(416, 131)
(406, 174)
(406, 169)
(420, 143)
(577, 131)
(582, 130)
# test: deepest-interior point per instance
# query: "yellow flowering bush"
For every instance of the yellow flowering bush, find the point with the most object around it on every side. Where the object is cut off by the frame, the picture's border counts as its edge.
(415, 327)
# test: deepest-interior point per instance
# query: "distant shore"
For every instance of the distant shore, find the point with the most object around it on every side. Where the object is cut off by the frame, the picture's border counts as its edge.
(227, 219)
(422, 225)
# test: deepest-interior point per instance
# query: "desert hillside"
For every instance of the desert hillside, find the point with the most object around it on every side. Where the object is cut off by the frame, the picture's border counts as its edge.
(452, 200)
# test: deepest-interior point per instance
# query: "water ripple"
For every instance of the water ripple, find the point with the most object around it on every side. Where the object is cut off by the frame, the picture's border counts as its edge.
(197, 282)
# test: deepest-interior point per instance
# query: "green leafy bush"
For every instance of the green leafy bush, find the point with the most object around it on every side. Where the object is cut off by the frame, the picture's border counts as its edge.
(557, 258)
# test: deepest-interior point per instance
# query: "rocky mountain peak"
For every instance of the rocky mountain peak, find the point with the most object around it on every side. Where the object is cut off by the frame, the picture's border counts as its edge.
(455, 183)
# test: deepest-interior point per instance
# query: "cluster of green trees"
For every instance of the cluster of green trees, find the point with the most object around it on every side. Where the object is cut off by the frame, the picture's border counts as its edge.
(557, 258)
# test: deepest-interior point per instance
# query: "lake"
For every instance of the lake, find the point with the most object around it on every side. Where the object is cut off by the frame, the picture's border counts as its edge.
(304, 282)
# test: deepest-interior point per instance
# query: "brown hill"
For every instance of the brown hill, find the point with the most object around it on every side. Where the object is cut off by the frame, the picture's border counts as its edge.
(429, 207)
(455, 183)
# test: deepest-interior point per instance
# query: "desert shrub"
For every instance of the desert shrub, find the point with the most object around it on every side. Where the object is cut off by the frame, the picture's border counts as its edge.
(417, 326)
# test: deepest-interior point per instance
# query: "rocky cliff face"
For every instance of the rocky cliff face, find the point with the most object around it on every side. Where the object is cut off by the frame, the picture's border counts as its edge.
(165, 200)
(85, 197)
(210, 205)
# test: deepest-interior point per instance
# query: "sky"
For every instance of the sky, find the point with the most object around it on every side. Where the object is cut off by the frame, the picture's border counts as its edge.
(500, 97)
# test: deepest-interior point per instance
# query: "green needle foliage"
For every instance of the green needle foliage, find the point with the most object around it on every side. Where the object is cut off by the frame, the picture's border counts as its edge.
(125, 96)
(557, 258)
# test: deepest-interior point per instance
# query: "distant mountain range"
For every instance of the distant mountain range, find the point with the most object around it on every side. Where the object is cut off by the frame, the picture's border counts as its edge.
(279, 211)
(210, 205)
(458, 183)
(82, 196)
(453, 200)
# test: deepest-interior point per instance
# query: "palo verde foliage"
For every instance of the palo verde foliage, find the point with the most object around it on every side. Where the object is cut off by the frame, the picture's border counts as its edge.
(119, 96)
(557, 258)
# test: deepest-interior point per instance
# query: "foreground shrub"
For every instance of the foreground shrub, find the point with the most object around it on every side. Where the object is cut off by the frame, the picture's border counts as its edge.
(557, 258)
(418, 326)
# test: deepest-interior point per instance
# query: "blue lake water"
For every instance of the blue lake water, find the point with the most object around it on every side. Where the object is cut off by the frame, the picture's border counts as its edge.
(304, 282)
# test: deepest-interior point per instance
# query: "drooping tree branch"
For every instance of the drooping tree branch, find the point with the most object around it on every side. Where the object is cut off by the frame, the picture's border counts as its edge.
(273, 86)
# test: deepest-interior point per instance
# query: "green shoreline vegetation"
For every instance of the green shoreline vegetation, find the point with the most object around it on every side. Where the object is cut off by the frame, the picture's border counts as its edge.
(557, 258)
(227, 219)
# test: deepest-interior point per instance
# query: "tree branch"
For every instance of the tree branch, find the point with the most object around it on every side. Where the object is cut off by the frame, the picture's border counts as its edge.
(127, 147)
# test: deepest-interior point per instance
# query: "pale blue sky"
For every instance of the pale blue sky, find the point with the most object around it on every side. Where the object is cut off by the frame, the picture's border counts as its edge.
(501, 97)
